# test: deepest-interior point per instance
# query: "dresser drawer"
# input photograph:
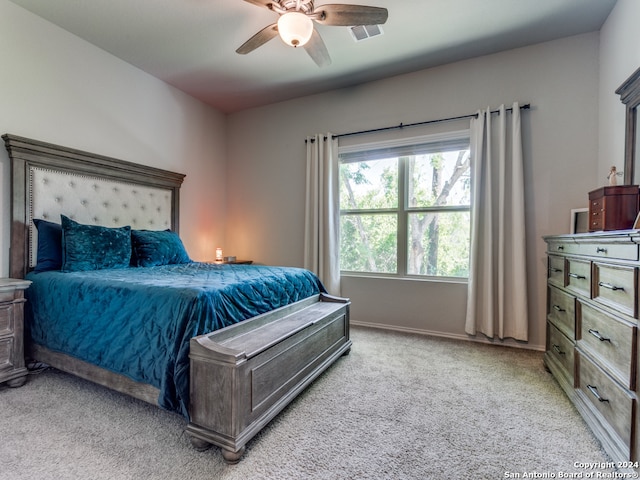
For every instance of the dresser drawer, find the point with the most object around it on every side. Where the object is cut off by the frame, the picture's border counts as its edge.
(561, 311)
(610, 340)
(563, 247)
(555, 271)
(579, 276)
(561, 349)
(611, 400)
(627, 251)
(616, 287)
(6, 319)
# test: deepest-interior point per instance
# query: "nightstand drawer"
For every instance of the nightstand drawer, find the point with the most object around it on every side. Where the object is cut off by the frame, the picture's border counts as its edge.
(616, 287)
(6, 319)
(12, 366)
(9, 294)
(602, 393)
(579, 276)
(561, 311)
(6, 354)
(610, 340)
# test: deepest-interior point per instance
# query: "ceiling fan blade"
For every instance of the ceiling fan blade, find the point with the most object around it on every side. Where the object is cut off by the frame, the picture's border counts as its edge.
(259, 39)
(350, 15)
(261, 3)
(317, 50)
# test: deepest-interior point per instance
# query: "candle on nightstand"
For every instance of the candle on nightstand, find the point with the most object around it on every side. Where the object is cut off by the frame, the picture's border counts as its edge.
(218, 254)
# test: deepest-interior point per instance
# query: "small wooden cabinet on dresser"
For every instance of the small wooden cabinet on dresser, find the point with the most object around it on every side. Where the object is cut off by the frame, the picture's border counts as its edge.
(12, 366)
(613, 207)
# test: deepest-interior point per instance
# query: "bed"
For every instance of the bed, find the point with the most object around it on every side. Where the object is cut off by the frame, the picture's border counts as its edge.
(225, 346)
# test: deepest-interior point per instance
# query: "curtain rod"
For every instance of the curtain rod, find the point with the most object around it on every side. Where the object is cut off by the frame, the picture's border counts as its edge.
(526, 106)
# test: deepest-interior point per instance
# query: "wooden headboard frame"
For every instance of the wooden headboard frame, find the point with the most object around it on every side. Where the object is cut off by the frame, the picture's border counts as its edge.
(28, 155)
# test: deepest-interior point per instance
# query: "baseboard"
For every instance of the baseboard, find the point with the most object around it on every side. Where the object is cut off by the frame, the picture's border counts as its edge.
(503, 343)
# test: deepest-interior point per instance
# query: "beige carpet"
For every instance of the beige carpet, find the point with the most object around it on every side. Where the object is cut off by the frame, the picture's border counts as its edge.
(398, 407)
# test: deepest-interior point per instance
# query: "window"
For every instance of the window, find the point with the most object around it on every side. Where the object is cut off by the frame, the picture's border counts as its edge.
(405, 207)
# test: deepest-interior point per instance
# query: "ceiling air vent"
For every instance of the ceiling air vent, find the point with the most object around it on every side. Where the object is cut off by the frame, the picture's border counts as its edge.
(362, 32)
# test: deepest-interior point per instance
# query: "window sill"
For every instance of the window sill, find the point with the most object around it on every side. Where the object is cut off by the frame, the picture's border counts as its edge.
(410, 278)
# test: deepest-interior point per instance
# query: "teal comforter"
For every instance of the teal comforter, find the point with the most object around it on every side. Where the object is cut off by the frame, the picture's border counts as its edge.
(138, 321)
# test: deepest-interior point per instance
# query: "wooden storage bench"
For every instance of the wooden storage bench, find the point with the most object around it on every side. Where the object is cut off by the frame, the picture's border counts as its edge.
(257, 367)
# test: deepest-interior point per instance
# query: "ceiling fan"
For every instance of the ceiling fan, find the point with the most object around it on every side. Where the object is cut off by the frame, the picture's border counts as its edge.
(295, 24)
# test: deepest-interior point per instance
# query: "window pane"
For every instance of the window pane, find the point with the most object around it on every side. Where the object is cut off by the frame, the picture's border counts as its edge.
(368, 185)
(368, 243)
(439, 179)
(438, 244)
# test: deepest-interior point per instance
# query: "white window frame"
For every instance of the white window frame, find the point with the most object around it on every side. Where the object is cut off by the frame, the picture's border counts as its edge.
(402, 211)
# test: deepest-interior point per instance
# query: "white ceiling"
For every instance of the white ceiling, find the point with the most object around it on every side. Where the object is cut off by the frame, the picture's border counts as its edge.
(191, 44)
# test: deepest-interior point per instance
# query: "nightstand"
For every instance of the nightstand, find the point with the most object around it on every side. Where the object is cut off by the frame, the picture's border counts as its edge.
(12, 366)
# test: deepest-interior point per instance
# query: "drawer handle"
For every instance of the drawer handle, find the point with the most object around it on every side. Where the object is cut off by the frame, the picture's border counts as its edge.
(560, 247)
(594, 390)
(599, 336)
(558, 308)
(579, 277)
(558, 350)
(609, 286)
(556, 270)
(601, 250)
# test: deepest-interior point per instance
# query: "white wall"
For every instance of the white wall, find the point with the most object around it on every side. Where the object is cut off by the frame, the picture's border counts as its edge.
(266, 166)
(619, 58)
(60, 89)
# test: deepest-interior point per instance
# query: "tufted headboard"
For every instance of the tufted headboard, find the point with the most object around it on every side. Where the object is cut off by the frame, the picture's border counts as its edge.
(49, 180)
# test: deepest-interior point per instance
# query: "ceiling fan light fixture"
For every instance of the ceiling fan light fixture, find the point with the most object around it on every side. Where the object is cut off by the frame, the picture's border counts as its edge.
(295, 28)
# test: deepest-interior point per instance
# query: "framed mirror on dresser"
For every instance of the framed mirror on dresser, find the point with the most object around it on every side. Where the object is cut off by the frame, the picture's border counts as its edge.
(629, 93)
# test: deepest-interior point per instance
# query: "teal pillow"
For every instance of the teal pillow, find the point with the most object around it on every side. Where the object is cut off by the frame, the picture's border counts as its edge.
(157, 247)
(49, 246)
(92, 247)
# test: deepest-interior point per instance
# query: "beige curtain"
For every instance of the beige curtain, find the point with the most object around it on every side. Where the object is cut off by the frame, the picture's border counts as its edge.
(497, 295)
(322, 217)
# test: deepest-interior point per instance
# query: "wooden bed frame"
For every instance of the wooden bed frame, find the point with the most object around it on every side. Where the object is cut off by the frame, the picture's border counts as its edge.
(241, 376)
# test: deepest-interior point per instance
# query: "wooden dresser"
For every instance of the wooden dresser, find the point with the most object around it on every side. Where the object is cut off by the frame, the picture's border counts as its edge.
(592, 332)
(12, 366)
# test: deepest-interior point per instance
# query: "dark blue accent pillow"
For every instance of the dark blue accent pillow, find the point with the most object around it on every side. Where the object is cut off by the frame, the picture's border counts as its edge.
(157, 247)
(92, 247)
(49, 256)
